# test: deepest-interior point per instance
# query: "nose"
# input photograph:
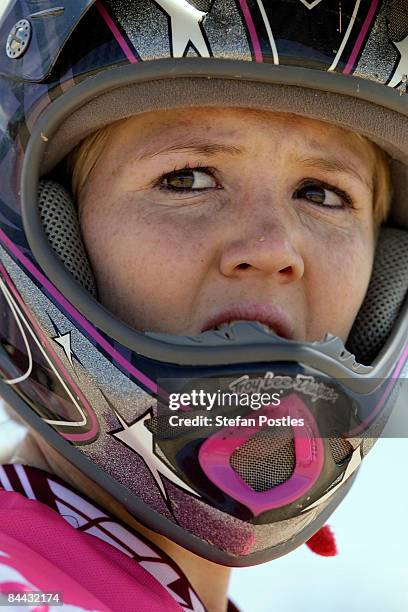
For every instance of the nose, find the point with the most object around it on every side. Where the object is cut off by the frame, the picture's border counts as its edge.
(271, 252)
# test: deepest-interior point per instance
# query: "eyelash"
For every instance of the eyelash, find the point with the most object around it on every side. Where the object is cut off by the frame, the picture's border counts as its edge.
(343, 195)
(201, 168)
(308, 182)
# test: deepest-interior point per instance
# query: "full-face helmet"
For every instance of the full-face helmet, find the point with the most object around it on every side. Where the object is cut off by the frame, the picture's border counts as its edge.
(98, 390)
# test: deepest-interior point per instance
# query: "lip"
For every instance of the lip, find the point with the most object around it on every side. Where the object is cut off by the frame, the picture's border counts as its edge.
(268, 314)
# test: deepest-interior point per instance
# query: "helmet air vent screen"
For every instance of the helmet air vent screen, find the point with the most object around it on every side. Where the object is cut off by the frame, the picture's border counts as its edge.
(201, 5)
(341, 449)
(267, 459)
(161, 428)
(397, 20)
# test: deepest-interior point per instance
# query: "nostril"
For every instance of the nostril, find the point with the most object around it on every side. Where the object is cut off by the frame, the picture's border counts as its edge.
(243, 266)
(286, 271)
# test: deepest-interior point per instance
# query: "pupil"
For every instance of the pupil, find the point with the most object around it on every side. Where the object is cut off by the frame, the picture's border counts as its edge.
(315, 194)
(181, 180)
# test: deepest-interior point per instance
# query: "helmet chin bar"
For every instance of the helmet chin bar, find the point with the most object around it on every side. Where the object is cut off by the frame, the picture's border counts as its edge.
(247, 332)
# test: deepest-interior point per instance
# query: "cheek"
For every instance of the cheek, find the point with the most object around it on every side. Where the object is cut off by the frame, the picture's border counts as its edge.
(353, 258)
(341, 278)
(345, 254)
(138, 249)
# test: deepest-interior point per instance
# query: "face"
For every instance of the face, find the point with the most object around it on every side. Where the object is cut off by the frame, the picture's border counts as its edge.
(193, 218)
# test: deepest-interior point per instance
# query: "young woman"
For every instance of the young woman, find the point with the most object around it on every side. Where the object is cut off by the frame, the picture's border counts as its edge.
(193, 227)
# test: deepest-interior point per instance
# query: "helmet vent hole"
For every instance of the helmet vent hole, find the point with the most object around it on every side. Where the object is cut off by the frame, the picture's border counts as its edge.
(341, 448)
(397, 19)
(266, 459)
(201, 5)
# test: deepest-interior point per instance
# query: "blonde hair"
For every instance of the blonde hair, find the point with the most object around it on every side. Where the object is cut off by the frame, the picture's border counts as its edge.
(83, 159)
(382, 184)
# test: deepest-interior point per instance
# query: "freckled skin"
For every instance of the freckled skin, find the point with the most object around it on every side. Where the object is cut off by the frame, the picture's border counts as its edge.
(166, 261)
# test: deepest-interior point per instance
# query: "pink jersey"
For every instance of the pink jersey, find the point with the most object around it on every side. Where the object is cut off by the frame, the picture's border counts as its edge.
(52, 539)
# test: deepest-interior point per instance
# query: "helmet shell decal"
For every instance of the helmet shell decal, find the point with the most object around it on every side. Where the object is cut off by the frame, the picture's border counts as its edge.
(385, 55)
(178, 29)
(261, 31)
(354, 39)
(54, 394)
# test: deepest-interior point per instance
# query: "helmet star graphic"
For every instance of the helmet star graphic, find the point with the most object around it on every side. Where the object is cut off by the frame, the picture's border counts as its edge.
(311, 5)
(64, 340)
(185, 27)
(140, 439)
(402, 68)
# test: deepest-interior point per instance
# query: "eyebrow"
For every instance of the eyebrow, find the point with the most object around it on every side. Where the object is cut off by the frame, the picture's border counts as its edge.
(198, 146)
(334, 164)
(202, 146)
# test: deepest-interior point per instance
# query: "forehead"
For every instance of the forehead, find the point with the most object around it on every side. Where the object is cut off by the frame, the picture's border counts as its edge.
(239, 126)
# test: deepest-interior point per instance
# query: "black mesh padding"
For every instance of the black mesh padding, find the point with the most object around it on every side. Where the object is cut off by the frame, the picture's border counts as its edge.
(397, 18)
(341, 448)
(61, 226)
(267, 459)
(384, 298)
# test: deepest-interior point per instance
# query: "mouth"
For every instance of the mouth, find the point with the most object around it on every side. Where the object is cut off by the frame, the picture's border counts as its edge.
(271, 317)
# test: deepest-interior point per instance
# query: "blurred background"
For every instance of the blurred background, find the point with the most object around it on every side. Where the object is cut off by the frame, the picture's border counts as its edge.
(370, 572)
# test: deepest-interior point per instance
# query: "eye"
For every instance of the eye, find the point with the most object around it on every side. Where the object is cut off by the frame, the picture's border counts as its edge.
(188, 179)
(323, 195)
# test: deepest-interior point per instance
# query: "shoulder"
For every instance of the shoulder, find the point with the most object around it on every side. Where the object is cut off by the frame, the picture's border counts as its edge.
(41, 550)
